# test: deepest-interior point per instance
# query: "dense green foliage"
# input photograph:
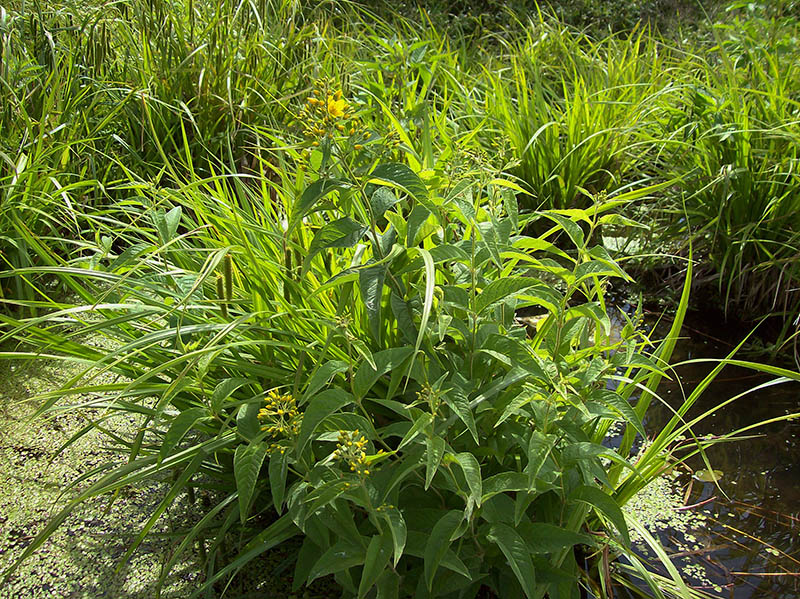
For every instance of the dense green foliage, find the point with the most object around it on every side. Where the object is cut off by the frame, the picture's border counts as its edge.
(305, 235)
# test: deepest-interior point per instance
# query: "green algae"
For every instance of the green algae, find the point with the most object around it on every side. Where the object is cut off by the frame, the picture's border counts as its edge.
(82, 558)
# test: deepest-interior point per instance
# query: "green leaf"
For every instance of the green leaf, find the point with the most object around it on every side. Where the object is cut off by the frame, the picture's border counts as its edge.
(400, 176)
(247, 461)
(312, 194)
(130, 254)
(500, 289)
(543, 537)
(382, 199)
(386, 360)
(458, 402)
(516, 551)
(539, 446)
(378, 552)
(370, 281)
(388, 585)
(571, 228)
(604, 504)
(341, 233)
(320, 407)
(181, 425)
(321, 377)
(504, 482)
(472, 472)
(439, 542)
(247, 424)
(434, 453)
(423, 420)
(418, 217)
(278, 470)
(224, 390)
(324, 494)
(167, 224)
(341, 556)
(427, 304)
(620, 405)
(593, 311)
(397, 526)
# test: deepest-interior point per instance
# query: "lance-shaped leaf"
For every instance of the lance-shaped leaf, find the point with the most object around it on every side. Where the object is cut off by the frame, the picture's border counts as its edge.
(379, 551)
(604, 504)
(312, 194)
(320, 407)
(341, 233)
(247, 462)
(516, 551)
(402, 177)
(385, 360)
(397, 526)
(370, 281)
(439, 542)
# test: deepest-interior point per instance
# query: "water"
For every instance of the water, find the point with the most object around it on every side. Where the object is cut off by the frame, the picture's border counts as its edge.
(750, 546)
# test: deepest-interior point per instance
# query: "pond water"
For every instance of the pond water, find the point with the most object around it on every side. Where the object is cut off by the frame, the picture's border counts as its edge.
(749, 544)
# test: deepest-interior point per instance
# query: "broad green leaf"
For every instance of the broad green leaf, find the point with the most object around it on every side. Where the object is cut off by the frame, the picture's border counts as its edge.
(435, 451)
(388, 585)
(620, 405)
(278, 470)
(504, 482)
(418, 217)
(593, 311)
(247, 461)
(422, 421)
(312, 194)
(397, 526)
(324, 494)
(320, 407)
(593, 268)
(604, 504)
(341, 556)
(321, 377)
(385, 360)
(171, 220)
(400, 176)
(500, 289)
(247, 423)
(181, 425)
(166, 224)
(542, 537)
(224, 390)
(571, 228)
(516, 551)
(439, 542)
(458, 402)
(130, 254)
(382, 199)
(370, 281)
(472, 472)
(341, 233)
(379, 551)
(539, 446)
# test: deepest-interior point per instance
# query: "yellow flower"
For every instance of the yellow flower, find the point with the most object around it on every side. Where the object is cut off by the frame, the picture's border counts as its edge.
(336, 107)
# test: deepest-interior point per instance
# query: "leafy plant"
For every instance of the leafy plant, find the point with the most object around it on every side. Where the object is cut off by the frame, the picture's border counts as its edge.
(346, 364)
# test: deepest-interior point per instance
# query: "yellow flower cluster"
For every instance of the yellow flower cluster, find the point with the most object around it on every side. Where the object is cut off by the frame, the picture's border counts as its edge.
(280, 417)
(350, 449)
(327, 114)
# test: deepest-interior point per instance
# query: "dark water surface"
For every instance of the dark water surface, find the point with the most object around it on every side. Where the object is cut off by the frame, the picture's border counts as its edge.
(751, 541)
